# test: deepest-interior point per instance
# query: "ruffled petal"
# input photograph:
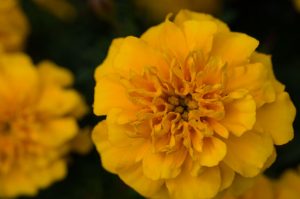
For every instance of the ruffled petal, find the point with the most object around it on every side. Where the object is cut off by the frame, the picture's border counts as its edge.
(199, 35)
(132, 150)
(109, 93)
(248, 153)
(277, 119)
(134, 177)
(126, 63)
(185, 15)
(239, 114)
(267, 62)
(52, 74)
(205, 185)
(254, 78)
(163, 165)
(213, 151)
(234, 48)
(106, 68)
(169, 39)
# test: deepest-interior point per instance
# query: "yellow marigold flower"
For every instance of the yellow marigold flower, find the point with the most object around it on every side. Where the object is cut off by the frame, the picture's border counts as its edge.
(159, 9)
(37, 122)
(59, 8)
(13, 26)
(189, 105)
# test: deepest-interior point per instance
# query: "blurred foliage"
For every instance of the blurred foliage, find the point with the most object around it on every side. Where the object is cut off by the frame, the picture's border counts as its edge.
(81, 45)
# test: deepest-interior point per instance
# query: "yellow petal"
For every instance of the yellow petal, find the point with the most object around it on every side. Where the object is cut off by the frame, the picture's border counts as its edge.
(234, 48)
(57, 131)
(18, 76)
(55, 101)
(50, 73)
(126, 62)
(248, 153)
(267, 62)
(116, 157)
(289, 185)
(219, 128)
(106, 67)
(185, 15)
(134, 177)
(16, 184)
(53, 172)
(227, 176)
(213, 151)
(168, 38)
(120, 131)
(199, 34)
(277, 119)
(163, 165)
(205, 185)
(109, 93)
(239, 115)
(254, 78)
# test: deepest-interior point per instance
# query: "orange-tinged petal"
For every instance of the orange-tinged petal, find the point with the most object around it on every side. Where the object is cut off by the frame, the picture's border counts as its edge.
(185, 15)
(234, 48)
(205, 185)
(277, 119)
(239, 115)
(163, 165)
(134, 177)
(248, 153)
(109, 93)
(219, 129)
(213, 151)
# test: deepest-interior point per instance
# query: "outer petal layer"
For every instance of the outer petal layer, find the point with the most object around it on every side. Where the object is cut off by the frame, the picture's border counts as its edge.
(277, 119)
(248, 153)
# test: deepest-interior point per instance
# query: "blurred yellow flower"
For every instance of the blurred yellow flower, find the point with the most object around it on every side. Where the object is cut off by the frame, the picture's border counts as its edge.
(189, 105)
(297, 5)
(37, 122)
(286, 187)
(59, 8)
(261, 188)
(14, 27)
(159, 9)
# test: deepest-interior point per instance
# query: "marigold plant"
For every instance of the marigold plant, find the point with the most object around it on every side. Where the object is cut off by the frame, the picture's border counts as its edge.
(189, 107)
(38, 122)
(14, 27)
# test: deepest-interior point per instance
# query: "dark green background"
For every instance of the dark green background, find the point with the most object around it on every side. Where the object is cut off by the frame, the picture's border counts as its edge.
(82, 44)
